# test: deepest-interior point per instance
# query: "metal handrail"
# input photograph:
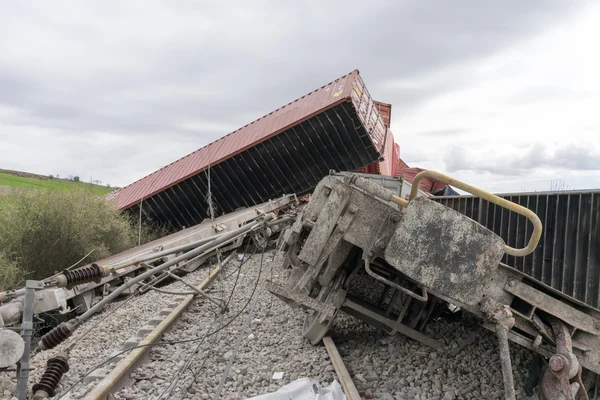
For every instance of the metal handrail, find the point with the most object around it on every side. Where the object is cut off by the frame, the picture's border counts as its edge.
(492, 198)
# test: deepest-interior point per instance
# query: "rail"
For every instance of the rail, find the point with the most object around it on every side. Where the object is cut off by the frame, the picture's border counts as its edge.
(340, 370)
(125, 366)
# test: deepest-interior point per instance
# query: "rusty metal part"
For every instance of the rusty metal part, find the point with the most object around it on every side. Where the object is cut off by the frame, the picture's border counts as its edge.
(121, 370)
(503, 319)
(509, 205)
(564, 345)
(544, 329)
(340, 370)
(555, 382)
(56, 367)
(562, 380)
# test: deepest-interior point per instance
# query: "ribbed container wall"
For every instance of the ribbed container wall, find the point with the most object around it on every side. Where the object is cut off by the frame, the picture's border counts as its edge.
(567, 257)
(289, 150)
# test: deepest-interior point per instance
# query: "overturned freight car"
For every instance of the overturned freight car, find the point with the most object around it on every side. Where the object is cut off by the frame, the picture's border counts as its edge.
(337, 126)
(567, 257)
(395, 263)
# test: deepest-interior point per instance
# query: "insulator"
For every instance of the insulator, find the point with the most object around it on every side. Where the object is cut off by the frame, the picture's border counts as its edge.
(84, 274)
(56, 336)
(55, 369)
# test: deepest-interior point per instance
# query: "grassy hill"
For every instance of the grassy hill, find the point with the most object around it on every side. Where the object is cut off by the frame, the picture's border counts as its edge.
(14, 179)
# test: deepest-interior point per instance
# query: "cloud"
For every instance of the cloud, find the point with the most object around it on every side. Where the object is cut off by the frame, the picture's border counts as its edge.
(118, 89)
(443, 133)
(573, 156)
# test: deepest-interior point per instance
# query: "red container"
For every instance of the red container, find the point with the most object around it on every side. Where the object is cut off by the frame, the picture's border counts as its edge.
(337, 126)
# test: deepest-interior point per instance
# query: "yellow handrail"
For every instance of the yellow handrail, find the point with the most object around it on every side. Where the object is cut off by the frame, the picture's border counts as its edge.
(509, 205)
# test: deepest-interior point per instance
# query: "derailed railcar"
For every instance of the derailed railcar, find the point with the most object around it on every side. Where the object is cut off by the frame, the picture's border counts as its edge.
(425, 256)
(567, 257)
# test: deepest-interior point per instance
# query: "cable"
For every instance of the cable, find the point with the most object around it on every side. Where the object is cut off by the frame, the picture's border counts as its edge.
(243, 261)
(84, 257)
(77, 339)
(188, 362)
(191, 340)
(239, 270)
(72, 266)
(240, 337)
(187, 365)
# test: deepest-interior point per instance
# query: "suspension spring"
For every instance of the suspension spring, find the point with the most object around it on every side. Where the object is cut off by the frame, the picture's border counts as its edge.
(56, 336)
(55, 369)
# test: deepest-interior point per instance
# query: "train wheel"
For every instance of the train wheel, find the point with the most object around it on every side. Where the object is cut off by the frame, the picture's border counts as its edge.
(314, 330)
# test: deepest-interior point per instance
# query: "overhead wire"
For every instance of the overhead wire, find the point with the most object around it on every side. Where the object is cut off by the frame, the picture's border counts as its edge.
(78, 338)
(240, 337)
(164, 343)
(193, 354)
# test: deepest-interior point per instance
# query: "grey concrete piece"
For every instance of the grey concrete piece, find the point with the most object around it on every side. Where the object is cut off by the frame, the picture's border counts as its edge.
(11, 348)
(95, 376)
(445, 251)
(144, 331)
(154, 321)
(130, 343)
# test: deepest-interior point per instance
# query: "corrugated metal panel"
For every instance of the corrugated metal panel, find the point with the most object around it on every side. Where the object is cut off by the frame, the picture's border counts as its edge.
(426, 184)
(385, 110)
(287, 151)
(402, 164)
(389, 164)
(568, 255)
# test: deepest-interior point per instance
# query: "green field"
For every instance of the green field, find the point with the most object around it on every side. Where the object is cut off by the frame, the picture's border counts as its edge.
(20, 182)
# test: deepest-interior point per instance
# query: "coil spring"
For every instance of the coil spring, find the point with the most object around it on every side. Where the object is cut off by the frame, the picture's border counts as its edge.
(56, 368)
(56, 336)
(84, 274)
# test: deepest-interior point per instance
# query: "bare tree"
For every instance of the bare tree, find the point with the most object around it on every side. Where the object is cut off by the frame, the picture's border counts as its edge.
(558, 184)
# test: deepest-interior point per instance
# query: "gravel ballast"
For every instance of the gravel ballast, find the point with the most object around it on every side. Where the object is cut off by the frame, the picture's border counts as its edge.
(395, 367)
(105, 339)
(382, 366)
(272, 343)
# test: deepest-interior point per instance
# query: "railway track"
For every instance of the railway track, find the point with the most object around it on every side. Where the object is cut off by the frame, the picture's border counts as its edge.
(119, 374)
(168, 371)
(380, 366)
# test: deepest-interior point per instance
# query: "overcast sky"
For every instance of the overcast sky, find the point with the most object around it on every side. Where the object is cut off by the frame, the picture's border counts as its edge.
(501, 94)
